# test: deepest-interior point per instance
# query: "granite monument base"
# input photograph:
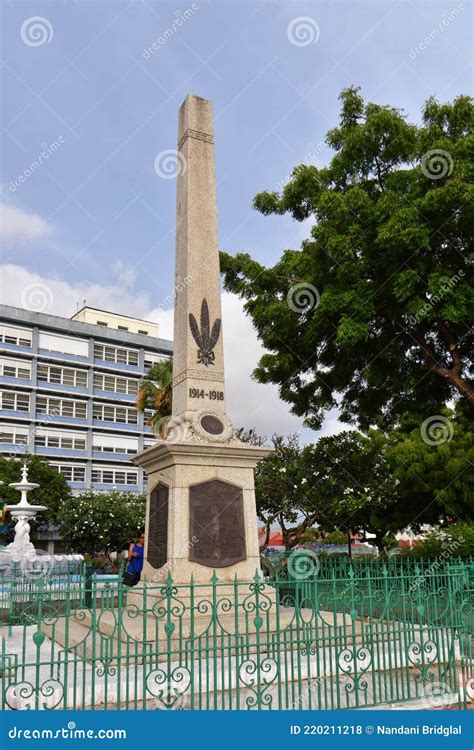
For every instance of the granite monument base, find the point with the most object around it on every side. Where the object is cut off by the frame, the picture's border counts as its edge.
(201, 514)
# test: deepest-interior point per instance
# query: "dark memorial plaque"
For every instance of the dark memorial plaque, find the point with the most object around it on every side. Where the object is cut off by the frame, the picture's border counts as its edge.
(212, 425)
(216, 522)
(157, 552)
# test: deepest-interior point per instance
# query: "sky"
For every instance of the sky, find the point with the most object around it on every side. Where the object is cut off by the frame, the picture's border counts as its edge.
(90, 95)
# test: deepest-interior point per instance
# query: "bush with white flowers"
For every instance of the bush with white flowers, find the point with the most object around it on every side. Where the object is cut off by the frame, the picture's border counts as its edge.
(96, 522)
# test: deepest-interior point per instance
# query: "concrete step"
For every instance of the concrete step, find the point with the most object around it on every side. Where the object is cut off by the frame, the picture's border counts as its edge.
(133, 626)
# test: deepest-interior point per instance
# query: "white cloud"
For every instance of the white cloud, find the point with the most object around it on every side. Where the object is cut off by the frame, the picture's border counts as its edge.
(126, 273)
(23, 288)
(250, 404)
(19, 226)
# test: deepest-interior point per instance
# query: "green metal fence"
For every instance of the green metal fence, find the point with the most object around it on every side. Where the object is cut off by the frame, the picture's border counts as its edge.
(362, 637)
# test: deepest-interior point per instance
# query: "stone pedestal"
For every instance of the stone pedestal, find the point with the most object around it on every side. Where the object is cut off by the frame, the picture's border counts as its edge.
(201, 513)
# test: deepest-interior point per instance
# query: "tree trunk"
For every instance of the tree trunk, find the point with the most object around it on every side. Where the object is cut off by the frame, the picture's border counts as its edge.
(379, 540)
(453, 375)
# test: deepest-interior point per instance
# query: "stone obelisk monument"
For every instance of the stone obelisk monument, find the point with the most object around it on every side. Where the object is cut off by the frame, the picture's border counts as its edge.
(201, 511)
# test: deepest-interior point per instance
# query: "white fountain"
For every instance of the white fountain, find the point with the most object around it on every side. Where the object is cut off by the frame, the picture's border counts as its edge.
(22, 551)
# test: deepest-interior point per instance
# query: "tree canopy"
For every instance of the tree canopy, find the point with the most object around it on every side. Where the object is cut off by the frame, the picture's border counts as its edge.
(378, 483)
(372, 314)
(433, 464)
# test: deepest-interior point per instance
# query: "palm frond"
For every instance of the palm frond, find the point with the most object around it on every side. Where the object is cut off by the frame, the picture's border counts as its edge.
(195, 330)
(205, 325)
(156, 391)
(216, 329)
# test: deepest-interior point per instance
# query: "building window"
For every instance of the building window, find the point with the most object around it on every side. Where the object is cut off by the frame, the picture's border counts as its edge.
(14, 435)
(17, 336)
(14, 401)
(121, 414)
(71, 472)
(61, 407)
(63, 344)
(115, 384)
(113, 444)
(102, 323)
(115, 354)
(109, 475)
(151, 358)
(147, 415)
(123, 328)
(15, 368)
(62, 376)
(65, 440)
(145, 333)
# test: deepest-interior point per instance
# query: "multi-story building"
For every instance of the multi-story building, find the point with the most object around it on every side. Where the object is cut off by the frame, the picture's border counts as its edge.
(68, 390)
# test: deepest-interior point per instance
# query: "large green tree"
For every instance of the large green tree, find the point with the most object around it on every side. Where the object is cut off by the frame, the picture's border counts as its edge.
(372, 314)
(53, 488)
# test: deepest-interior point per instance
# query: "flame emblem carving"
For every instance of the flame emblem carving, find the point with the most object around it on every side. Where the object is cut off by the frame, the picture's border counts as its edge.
(205, 337)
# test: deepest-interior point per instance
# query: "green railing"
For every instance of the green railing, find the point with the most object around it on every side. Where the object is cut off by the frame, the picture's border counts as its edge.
(432, 580)
(357, 639)
(336, 566)
(66, 584)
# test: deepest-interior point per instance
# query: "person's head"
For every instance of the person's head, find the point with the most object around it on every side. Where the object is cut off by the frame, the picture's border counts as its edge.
(140, 537)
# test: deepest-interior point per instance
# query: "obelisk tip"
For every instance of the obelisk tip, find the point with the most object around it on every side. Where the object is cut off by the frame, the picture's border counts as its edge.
(195, 113)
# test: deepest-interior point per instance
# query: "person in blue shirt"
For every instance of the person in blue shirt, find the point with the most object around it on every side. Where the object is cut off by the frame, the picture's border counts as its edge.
(135, 561)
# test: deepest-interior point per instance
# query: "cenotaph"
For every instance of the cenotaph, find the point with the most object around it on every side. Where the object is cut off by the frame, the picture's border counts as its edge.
(201, 513)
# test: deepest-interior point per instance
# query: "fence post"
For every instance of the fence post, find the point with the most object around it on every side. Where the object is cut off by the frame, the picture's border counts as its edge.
(88, 585)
